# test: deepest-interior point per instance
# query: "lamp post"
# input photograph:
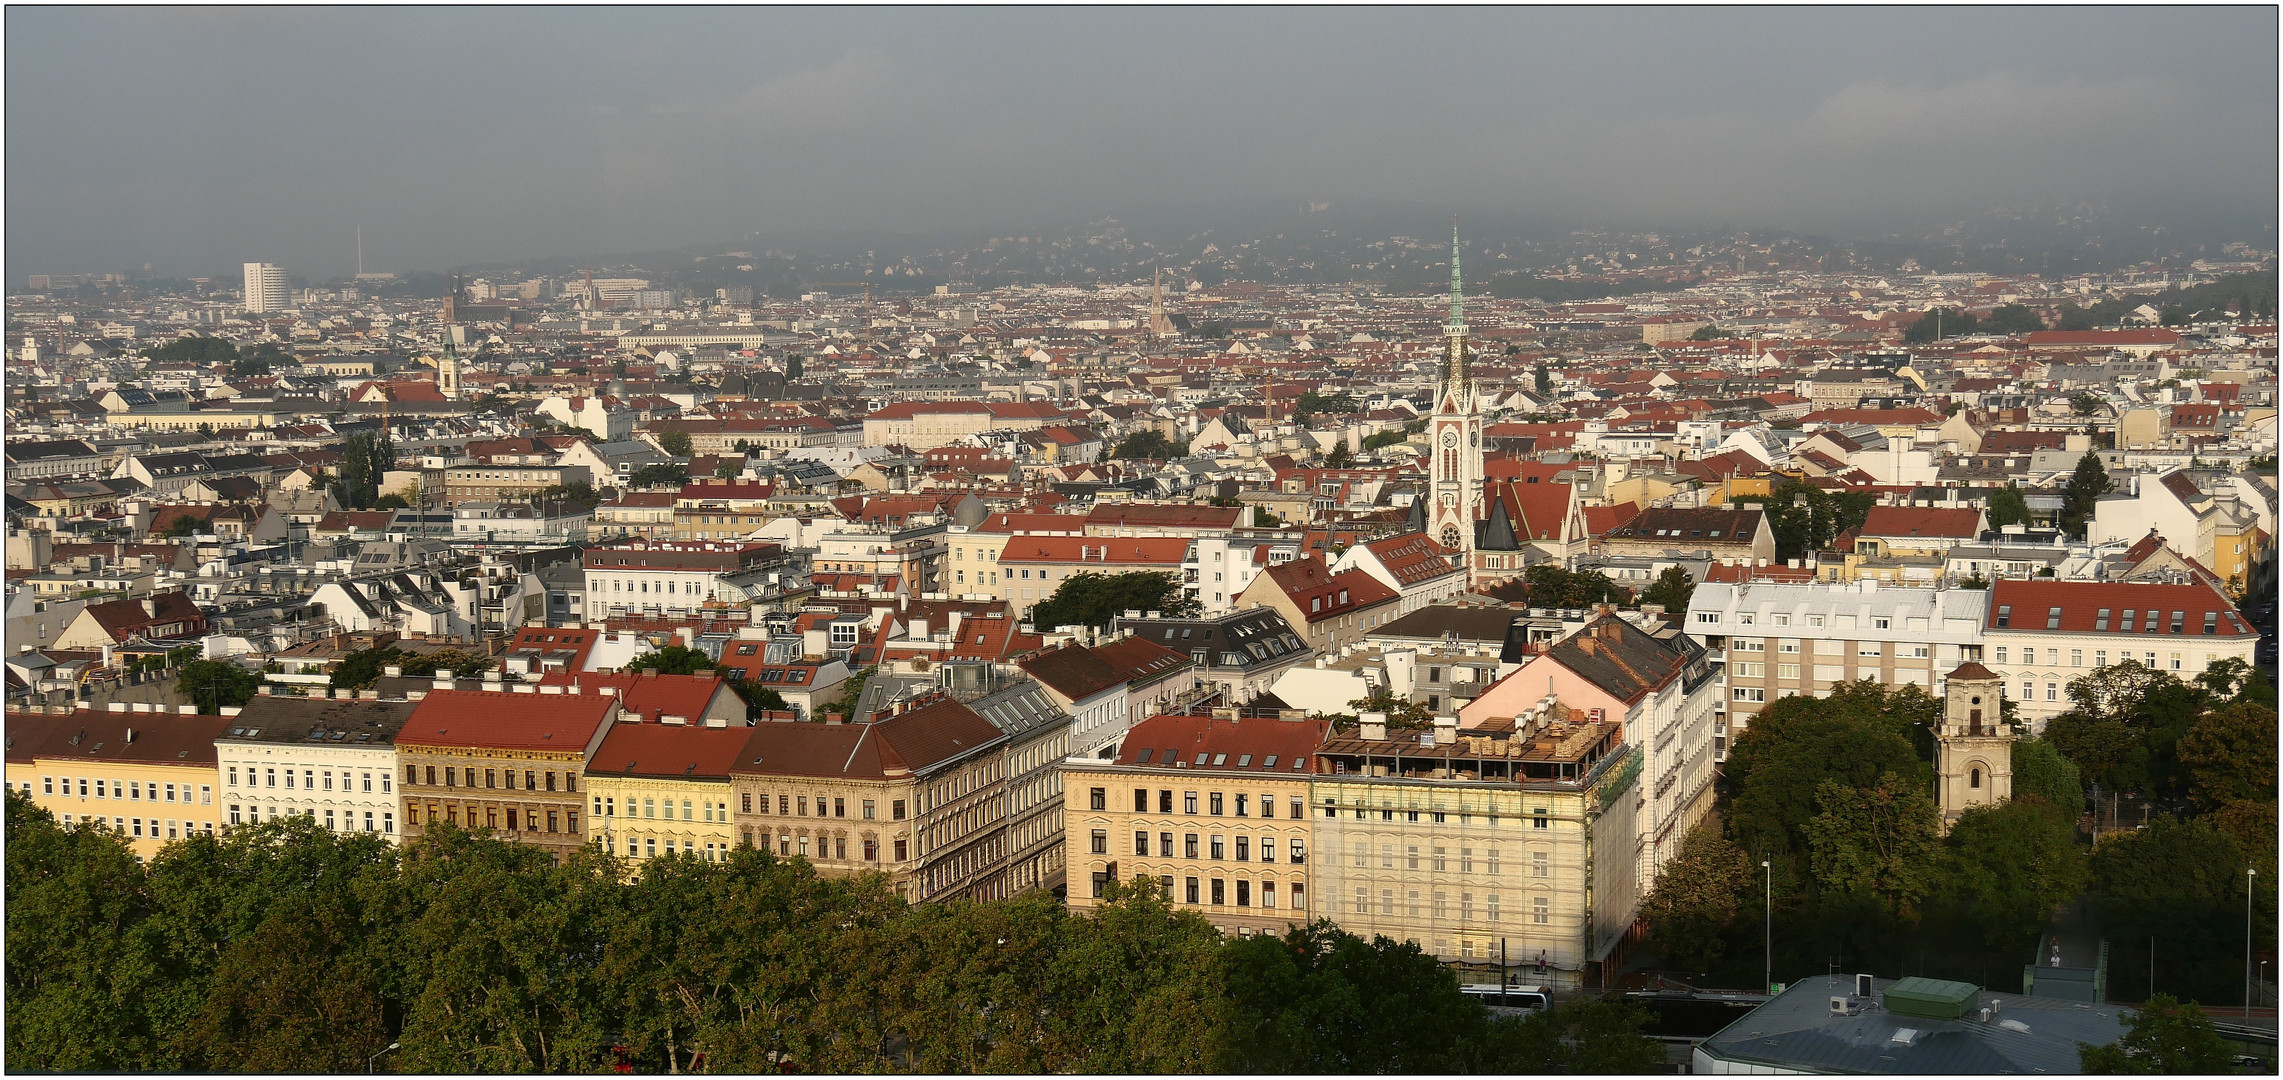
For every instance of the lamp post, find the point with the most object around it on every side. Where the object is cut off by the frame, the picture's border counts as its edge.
(1768, 927)
(2250, 877)
(376, 1057)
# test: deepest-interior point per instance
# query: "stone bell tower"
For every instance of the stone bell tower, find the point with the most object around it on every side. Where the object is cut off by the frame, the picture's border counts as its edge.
(1973, 749)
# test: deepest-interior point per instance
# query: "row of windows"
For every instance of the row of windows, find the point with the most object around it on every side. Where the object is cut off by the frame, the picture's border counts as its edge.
(867, 847)
(311, 779)
(1437, 905)
(1438, 859)
(134, 826)
(523, 821)
(130, 790)
(798, 806)
(1216, 846)
(2077, 657)
(454, 776)
(386, 825)
(710, 852)
(606, 806)
(1216, 892)
(689, 588)
(1540, 817)
(1216, 803)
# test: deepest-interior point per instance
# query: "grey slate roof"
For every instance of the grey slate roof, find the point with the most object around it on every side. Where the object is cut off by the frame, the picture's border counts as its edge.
(1796, 1031)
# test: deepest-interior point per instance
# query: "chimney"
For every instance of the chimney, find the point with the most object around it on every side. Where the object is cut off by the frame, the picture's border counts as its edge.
(393, 671)
(232, 710)
(832, 718)
(677, 721)
(186, 710)
(150, 607)
(1374, 726)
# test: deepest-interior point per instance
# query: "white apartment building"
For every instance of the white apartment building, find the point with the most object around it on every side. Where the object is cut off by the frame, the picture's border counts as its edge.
(1226, 566)
(265, 288)
(1775, 640)
(331, 760)
(2040, 634)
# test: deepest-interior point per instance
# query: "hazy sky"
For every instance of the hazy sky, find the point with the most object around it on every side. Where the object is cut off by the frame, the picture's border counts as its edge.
(197, 139)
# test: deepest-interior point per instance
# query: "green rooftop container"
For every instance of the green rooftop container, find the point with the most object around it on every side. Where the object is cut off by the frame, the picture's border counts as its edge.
(1935, 999)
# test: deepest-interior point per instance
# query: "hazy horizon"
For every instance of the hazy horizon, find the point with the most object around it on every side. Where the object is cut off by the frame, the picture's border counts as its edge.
(197, 139)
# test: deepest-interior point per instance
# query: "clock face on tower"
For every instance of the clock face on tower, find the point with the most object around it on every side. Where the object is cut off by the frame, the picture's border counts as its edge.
(1450, 440)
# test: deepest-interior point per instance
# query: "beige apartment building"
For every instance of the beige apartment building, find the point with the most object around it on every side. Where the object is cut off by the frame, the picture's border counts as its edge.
(1215, 810)
(918, 795)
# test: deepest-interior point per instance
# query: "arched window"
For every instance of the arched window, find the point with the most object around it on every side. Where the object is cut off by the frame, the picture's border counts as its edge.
(1974, 778)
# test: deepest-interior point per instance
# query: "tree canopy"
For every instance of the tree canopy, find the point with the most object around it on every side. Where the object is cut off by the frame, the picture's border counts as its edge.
(287, 947)
(2086, 485)
(676, 443)
(213, 684)
(2008, 506)
(1096, 599)
(1148, 445)
(2165, 1038)
(663, 474)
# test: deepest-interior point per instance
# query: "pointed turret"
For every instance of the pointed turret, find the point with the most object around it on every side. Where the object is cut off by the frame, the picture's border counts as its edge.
(1455, 332)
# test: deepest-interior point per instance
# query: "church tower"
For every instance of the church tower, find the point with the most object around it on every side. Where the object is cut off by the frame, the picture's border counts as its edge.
(448, 369)
(1160, 326)
(1455, 484)
(1973, 749)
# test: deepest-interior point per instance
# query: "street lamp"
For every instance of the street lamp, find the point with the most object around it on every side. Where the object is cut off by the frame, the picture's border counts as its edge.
(1768, 927)
(369, 1061)
(2251, 876)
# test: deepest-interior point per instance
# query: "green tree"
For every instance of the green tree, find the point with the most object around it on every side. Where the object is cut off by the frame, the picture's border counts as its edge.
(2012, 319)
(1321, 1000)
(1878, 840)
(1312, 403)
(2085, 488)
(2042, 771)
(2173, 315)
(1673, 588)
(1697, 897)
(1585, 1036)
(187, 526)
(1263, 518)
(202, 351)
(581, 493)
(1402, 714)
(1148, 445)
(1708, 332)
(676, 443)
(2008, 506)
(792, 368)
(1543, 380)
(2230, 757)
(728, 470)
(1339, 458)
(1095, 599)
(2012, 866)
(2183, 883)
(1551, 586)
(672, 660)
(1939, 323)
(213, 684)
(663, 474)
(2165, 1038)
(1859, 734)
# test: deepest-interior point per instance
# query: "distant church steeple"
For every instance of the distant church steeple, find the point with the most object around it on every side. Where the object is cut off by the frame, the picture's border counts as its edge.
(1455, 483)
(1160, 327)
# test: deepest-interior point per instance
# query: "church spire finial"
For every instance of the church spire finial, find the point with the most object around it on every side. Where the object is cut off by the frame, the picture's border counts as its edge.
(1458, 316)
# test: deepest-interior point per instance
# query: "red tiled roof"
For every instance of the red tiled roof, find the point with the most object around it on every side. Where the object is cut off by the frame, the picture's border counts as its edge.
(1160, 551)
(1320, 595)
(650, 696)
(1413, 558)
(1600, 519)
(1204, 744)
(507, 721)
(1141, 660)
(1163, 516)
(1073, 671)
(1953, 523)
(2028, 605)
(672, 751)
